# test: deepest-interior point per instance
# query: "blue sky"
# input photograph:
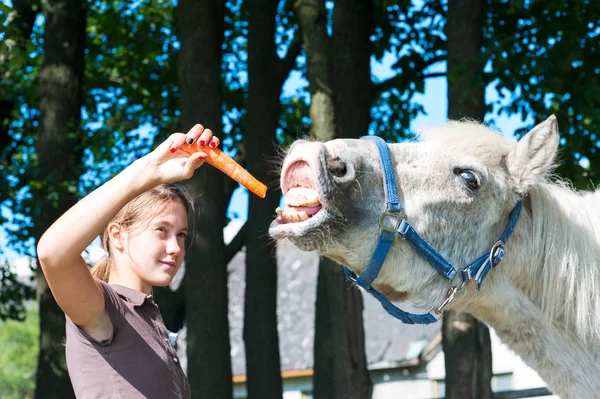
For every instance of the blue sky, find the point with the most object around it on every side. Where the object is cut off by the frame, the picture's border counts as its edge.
(435, 102)
(436, 106)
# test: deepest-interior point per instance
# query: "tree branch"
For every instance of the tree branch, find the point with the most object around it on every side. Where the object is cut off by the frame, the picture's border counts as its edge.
(26, 13)
(289, 61)
(434, 75)
(400, 79)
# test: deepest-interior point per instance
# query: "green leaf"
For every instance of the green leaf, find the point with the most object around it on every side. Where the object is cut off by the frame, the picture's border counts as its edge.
(5, 9)
(17, 61)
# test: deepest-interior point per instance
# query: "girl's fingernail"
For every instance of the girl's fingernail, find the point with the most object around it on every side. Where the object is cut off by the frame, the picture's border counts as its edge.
(212, 145)
(202, 143)
(190, 140)
(173, 149)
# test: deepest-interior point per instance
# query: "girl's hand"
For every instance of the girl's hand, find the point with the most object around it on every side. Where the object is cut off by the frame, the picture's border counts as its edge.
(173, 161)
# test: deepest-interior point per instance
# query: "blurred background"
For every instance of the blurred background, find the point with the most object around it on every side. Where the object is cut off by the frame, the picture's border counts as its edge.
(88, 86)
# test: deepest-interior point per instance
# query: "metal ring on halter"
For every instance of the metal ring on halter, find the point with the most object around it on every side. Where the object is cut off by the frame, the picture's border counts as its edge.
(395, 216)
(498, 245)
(459, 272)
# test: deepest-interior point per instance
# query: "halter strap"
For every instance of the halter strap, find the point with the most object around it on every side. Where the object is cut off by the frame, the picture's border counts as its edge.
(392, 223)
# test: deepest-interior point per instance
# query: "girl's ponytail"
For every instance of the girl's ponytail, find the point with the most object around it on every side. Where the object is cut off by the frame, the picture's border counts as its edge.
(101, 269)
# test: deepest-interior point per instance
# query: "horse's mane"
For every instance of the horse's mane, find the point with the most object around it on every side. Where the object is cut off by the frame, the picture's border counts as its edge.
(468, 135)
(566, 248)
(566, 234)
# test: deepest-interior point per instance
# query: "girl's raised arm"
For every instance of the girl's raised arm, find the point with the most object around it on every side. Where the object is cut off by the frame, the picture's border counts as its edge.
(59, 249)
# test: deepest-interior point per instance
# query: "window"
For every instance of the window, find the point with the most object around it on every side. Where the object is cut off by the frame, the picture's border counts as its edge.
(502, 382)
(439, 388)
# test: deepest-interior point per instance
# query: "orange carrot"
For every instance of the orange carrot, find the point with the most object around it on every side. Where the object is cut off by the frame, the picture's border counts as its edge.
(231, 168)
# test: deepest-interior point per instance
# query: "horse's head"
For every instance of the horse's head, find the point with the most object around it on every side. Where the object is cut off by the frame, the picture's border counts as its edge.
(457, 188)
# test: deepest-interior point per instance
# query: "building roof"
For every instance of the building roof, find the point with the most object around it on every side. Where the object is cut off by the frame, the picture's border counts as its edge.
(389, 343)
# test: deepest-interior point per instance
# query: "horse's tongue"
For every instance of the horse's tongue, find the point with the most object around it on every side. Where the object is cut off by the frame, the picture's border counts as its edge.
(295, 214)
(310, 210)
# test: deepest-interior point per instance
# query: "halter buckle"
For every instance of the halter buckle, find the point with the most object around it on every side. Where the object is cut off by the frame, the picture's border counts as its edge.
(395, 217)
(438, 312)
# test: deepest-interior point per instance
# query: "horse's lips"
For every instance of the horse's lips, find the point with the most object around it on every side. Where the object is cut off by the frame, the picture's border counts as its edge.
(305, 170)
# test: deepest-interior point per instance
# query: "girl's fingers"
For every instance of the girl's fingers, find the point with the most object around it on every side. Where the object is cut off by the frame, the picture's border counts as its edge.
(177, 140)
(194, 133)
(205, 137)
(214, 142)
(193, 162)
(166, 145)
(197, 134)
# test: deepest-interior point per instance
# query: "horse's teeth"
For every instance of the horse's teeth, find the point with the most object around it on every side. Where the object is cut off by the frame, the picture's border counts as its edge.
(302, 196)
(291, 217)
(300, 216)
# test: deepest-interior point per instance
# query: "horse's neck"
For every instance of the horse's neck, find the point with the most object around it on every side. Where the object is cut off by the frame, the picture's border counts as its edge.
(511, 301)
(568, 366)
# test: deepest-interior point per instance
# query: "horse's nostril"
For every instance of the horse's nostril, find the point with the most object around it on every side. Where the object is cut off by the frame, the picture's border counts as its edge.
(337, 167)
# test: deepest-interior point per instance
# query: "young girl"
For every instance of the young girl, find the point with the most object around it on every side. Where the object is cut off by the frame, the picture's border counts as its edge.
(117, 344)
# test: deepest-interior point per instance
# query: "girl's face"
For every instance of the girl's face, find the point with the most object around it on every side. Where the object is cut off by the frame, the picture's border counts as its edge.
(155, 250)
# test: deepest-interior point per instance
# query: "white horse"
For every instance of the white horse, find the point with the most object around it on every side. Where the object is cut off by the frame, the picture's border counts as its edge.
(458, 189)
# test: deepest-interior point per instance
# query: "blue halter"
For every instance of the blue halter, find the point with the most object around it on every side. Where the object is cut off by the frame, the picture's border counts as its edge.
(394, 216)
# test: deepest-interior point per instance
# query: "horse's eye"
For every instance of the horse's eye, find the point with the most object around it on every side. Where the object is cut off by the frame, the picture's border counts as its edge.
(469, 177)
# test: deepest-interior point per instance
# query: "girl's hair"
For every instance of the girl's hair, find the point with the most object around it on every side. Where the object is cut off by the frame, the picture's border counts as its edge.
(139, 210)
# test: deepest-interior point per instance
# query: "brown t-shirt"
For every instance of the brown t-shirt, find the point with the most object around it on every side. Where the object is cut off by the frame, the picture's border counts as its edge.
(138, 361)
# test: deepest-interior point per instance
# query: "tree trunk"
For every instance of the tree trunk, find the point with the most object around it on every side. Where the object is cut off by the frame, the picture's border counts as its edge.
(351, 50)
(200, 25)
(468, 357)
(172, 305)
(266, 74)
(60, 165)
(466, 341)
(313, 22)
(466, 84)
(340, 364)
(351, 56)
(340, 367)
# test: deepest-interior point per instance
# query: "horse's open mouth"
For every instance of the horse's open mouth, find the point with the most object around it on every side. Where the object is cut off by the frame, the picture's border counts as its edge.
(301, 195)
(301, 203)
(314, 203)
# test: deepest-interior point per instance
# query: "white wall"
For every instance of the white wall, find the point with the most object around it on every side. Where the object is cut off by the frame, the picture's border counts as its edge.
(405, 383)
(427, 382)
(504, 362)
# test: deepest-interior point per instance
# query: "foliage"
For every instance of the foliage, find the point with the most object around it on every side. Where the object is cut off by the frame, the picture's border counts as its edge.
(414, 36)
(540, 57)
(543, 58)
(20, 61)
(18, 358)
(129, 83)
(132, 94)
(12, 293)
(234, 72)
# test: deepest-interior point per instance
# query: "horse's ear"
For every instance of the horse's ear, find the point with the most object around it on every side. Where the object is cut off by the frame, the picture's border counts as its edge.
(533, 156)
